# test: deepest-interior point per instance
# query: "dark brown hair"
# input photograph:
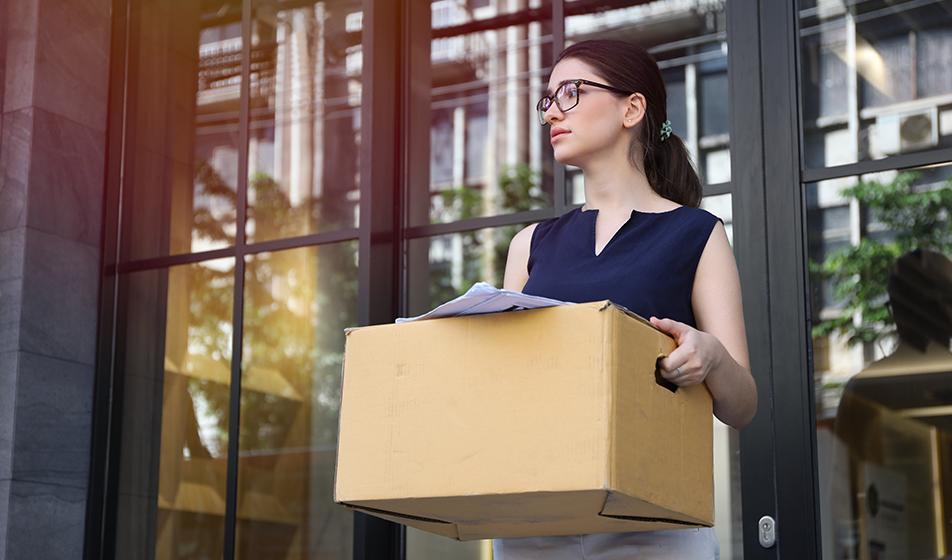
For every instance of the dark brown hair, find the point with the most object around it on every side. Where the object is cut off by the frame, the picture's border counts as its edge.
(629, 67)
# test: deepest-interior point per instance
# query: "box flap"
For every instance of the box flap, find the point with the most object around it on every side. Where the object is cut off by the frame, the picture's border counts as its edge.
(608, 304)
(436, 526)
(622, 507)
(467, 518)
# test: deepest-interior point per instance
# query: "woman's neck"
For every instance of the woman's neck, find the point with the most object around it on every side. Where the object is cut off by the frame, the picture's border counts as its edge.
(615, 186)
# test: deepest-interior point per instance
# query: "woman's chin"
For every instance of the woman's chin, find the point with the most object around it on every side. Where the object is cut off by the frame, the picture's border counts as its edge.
(565, 156)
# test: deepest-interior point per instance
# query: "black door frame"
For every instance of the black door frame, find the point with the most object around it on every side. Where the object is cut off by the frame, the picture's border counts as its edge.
(745, 77)
(778, 457)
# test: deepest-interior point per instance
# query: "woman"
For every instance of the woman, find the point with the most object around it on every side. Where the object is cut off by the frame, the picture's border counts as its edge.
(641, 241)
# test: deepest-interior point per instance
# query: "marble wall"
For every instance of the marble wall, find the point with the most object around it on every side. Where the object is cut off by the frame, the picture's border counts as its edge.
(54, 62)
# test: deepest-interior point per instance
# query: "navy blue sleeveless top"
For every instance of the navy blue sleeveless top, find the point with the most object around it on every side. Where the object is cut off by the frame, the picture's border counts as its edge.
(648, 266)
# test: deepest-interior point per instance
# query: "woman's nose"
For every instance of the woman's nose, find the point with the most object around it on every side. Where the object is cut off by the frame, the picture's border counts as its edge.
(549, 114)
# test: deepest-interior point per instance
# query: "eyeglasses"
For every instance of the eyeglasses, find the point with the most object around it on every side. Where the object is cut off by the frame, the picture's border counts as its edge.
(566, 96)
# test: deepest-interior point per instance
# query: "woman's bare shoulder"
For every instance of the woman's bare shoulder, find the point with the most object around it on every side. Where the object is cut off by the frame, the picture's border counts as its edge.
(517, 263)
(523, 237)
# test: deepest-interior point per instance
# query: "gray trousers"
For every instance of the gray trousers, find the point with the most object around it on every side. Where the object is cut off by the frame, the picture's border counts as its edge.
(676, 544)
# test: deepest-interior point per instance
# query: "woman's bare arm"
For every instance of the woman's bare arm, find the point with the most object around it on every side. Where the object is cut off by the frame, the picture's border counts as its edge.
(718, 310)
(517, 272)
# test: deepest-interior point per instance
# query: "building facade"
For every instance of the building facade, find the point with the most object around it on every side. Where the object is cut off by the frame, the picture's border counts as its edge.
(197, 198)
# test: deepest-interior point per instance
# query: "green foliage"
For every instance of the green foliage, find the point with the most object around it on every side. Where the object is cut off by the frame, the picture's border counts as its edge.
(297, 304)
(520, 191)
(919, 219)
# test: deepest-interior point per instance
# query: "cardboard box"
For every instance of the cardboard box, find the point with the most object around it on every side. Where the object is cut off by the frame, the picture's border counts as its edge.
(538, 422)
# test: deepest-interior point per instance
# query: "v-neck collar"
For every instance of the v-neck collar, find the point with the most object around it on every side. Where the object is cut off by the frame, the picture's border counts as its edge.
(594, 229)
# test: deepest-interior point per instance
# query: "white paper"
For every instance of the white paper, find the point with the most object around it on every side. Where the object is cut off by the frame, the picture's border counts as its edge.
(485, 298)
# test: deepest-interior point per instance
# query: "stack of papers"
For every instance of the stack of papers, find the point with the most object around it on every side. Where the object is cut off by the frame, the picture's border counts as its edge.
(485, 298)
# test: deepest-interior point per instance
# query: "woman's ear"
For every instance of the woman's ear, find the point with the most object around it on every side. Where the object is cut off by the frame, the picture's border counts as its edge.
(634, 110)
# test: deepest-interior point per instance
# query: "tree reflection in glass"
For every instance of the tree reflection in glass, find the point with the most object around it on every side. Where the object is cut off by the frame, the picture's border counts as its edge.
(297, 305)
(882, 362)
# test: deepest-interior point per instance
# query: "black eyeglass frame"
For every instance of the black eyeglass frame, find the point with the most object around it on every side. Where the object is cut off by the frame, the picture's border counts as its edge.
(555, 96)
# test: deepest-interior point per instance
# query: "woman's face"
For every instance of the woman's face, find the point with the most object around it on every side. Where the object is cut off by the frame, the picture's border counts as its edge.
(598, 122)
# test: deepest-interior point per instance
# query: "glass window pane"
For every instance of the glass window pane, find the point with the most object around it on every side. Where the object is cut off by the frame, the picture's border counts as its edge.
(181, 162)
(717, 166)
(445, 266)
(881, 283)
(689, 42)
(449, 13)
(677, 100)
(175, 367)
(880, 71)
(715, 114)
(829, 230)
(305, 118)
(824, 71)
(488, 154)
(721, 205)
(297, 305)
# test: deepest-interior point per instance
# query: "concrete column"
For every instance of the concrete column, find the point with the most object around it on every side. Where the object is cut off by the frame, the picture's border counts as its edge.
(54, 57)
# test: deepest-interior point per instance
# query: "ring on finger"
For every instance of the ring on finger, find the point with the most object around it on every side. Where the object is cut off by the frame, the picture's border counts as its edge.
(677, 372)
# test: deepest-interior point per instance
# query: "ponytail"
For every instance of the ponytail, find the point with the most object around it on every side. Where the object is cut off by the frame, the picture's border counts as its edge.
(668, 168)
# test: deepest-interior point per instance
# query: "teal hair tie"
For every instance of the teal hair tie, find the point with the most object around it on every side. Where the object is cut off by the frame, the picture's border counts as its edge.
(665, 130)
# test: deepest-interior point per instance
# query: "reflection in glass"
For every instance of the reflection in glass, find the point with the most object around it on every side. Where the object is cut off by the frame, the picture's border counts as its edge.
(717, 166)
(881, 292)
(176, 371)
(689, 41)
(305, 118)
(181, 167)
(445, 266)
(721, 205)
(297, 305)
(879, 73)
(487, 150)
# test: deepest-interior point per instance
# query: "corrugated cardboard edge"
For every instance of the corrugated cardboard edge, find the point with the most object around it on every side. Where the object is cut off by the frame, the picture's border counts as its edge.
(469, 531)
(608, 303)
(340, 406)
(340, 413)
(608, 497)
(453, 528)
(608, 368)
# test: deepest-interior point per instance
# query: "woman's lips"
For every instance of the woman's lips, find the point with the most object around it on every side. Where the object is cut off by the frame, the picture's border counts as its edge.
(557, 132)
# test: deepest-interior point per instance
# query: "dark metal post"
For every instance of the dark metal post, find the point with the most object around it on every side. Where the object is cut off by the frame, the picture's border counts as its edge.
(238, 313)
(381, 163)
(103, 476)
(758, 497)
(794, 416)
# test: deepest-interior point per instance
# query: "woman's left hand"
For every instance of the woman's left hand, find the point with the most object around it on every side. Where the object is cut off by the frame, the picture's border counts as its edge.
(696, 355)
